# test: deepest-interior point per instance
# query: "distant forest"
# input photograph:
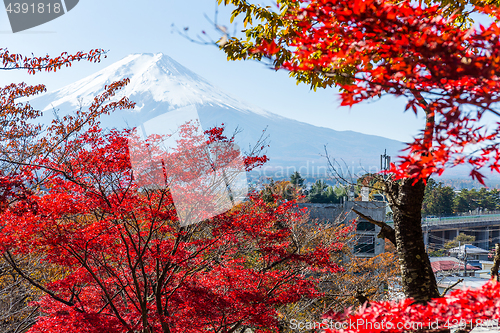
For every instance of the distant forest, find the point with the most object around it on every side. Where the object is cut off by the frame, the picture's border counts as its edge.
(443, 200)
(445, 197)
(459, 184)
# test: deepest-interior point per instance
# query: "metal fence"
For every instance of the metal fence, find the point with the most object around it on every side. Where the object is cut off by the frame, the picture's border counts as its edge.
(461, 219)
(484, 217)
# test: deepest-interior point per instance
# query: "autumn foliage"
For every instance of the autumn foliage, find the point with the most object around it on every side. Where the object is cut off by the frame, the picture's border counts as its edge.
(22, 139)
(15, 61)
(73, 198)
(461, 309)
(371, 48)
(131, 267)
(113, 254)
(403, 49)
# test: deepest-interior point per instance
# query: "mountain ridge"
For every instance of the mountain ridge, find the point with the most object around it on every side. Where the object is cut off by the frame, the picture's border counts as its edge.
(159, 84)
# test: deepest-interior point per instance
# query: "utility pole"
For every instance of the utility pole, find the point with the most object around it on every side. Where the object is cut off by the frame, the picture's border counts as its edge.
(460, 254)
(465, 260)
(385, 162)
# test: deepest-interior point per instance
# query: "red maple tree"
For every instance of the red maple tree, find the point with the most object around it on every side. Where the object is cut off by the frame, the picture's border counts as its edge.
(22, 142)
(22, 139)
(371, 48)
(407, 50)
(129, 266)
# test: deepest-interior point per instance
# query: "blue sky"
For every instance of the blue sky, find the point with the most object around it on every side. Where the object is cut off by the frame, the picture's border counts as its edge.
(125, 27)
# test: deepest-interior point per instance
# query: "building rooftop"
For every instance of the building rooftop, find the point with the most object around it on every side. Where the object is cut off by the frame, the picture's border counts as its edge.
(468, 283)
(444, 264)
(469, 248)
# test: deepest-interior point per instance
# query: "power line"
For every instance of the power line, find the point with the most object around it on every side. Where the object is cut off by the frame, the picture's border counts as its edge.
(445, 240)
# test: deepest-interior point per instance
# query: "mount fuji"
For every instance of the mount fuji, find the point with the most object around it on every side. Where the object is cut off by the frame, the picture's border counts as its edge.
(159, 85)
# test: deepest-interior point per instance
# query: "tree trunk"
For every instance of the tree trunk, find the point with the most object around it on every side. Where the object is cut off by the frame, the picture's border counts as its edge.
(496, 263)
(417, 276)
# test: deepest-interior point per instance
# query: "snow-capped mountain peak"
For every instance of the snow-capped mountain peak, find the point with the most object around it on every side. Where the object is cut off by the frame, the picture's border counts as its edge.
(154, 78)
(164, 91)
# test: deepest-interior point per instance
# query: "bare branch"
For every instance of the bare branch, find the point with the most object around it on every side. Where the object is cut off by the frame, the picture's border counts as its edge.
(7, 256)
(451, 287)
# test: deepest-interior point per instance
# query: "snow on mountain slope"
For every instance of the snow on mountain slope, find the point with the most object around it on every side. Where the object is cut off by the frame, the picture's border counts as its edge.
(153, 78)
(159, 85)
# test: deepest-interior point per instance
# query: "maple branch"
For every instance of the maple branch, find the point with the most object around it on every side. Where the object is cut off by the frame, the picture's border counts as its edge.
(284, 259)
(336, 174)
(417, 93)
(133, 267)
(362, 297)
(235, 327)
(8, 258)
(107, 301)
(279, 283)
(451, 286)
(486, 108)
(27, 325)
(399, 87)
(429, 117)
(17, 62)
(101, 285)
(386, 230)
(62, 172)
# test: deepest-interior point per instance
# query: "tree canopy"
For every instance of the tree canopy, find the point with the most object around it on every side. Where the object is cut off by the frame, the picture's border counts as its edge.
(417, 51)
(320, 192)
(461, 239)
(440, 200)
(411, 51)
